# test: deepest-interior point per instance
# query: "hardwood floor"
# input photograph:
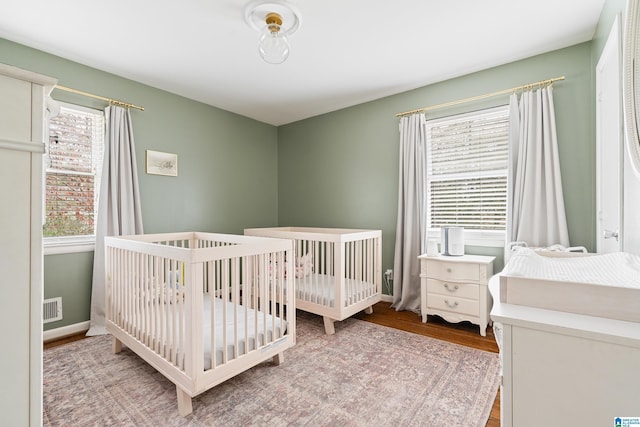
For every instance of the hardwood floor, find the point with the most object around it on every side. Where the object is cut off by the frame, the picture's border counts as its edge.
(463, 333)
(65, 340)
(460, 333)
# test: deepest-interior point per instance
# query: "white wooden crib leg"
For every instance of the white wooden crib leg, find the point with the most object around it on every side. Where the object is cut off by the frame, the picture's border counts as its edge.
(278, 358)
(329, 328)
(368, 310)
(116, 345)
(184, 402)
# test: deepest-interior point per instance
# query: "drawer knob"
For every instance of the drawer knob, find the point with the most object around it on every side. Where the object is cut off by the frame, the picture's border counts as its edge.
(454, 305)
(448, 269)
(451, 288)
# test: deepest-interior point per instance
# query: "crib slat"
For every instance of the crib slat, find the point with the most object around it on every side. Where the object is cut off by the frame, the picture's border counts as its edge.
(225, 299)
(137, 300)
(172, 312)
(124, 280)
(358, 272)
(258, 273)
(324, 295)
(153, 315)
(332, 267)
(316, 259)
(183, 321)
(170, 306)
(129, 296)
(114, 285)
(234, 291)
(372, 264)
(168, 311)
(266, 290)
(365, 266)
(244, 281)
(162, 309)
(288, 272)
(124, 290)
(139, 297)
(192, 287)
(348, 272)
(182, 325)
(211, 271)
(144, 298)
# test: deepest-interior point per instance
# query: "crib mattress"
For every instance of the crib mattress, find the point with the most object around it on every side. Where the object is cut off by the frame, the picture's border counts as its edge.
(319, 289)
(605, 285)
(246, 329)
(246, 317)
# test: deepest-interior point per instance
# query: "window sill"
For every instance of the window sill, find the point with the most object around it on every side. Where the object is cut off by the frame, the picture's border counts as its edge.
(489, 239)
(68, 245)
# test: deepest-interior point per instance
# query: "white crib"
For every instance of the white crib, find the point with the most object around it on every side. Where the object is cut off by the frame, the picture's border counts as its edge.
(199, 307)
(337, 272)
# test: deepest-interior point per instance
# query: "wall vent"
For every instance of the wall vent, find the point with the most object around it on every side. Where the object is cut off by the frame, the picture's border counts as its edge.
(52, 310)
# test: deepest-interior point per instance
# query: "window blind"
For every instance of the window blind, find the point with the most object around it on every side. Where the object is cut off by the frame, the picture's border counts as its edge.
(74, 155)
(467, 160)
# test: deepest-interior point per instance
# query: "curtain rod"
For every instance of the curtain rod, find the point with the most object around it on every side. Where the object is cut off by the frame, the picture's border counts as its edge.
(486, 95)
(109, 100)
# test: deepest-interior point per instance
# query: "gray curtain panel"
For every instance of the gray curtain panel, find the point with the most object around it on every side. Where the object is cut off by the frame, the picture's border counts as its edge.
(119, 211)
(411, 225)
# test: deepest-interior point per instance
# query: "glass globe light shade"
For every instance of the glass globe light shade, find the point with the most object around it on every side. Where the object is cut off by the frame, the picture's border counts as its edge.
(273, 46)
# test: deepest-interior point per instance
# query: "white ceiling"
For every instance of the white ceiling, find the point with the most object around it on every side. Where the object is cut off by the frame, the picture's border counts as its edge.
(346, 51)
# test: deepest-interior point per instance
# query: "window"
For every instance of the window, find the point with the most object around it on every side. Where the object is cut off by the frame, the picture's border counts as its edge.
(467, 161)
(73, 161)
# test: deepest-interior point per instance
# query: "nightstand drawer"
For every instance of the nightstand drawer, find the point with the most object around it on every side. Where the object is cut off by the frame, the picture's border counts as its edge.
(452, 271)
(453, 304)
(462, 290)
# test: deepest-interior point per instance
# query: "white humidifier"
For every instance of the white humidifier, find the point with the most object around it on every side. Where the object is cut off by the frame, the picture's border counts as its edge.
(452, 241)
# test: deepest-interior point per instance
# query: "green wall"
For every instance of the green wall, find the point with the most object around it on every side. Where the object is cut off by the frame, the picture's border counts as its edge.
(227, 166)
(69, 276)
(341, 169)
(335, 170)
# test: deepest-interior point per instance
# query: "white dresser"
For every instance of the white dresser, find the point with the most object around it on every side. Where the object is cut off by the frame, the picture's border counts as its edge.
(565, 369)
(455, 288)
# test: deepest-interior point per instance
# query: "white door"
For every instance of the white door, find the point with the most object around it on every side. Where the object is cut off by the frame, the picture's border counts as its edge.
(609, 146)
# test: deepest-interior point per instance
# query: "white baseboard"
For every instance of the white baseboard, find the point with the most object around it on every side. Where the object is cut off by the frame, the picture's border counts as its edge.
(65, 331)
(387, 298)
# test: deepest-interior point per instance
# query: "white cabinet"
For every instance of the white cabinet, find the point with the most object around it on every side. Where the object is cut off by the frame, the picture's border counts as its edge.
(565, 369)
(455, 288)
(22, 133)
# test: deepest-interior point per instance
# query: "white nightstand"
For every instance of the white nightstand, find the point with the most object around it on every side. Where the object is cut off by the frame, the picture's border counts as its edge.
(455, 288)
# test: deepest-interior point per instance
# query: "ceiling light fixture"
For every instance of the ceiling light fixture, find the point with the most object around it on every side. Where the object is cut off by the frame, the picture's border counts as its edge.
(275, 21)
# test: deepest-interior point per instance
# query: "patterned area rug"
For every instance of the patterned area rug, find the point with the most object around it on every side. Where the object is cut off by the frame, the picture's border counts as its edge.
(364, 375)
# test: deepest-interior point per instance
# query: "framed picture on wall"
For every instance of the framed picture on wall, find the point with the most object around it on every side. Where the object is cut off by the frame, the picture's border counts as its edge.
(159, 163)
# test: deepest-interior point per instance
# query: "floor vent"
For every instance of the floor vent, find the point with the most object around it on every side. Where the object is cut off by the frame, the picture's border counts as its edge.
(52, 310)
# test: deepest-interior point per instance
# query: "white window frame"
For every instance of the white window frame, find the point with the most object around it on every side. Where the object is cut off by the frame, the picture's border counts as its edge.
(80, 243)
(482, 238)
(69, 244)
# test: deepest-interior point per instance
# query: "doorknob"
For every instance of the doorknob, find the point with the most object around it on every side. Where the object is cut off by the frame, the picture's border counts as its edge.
(608, 234)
